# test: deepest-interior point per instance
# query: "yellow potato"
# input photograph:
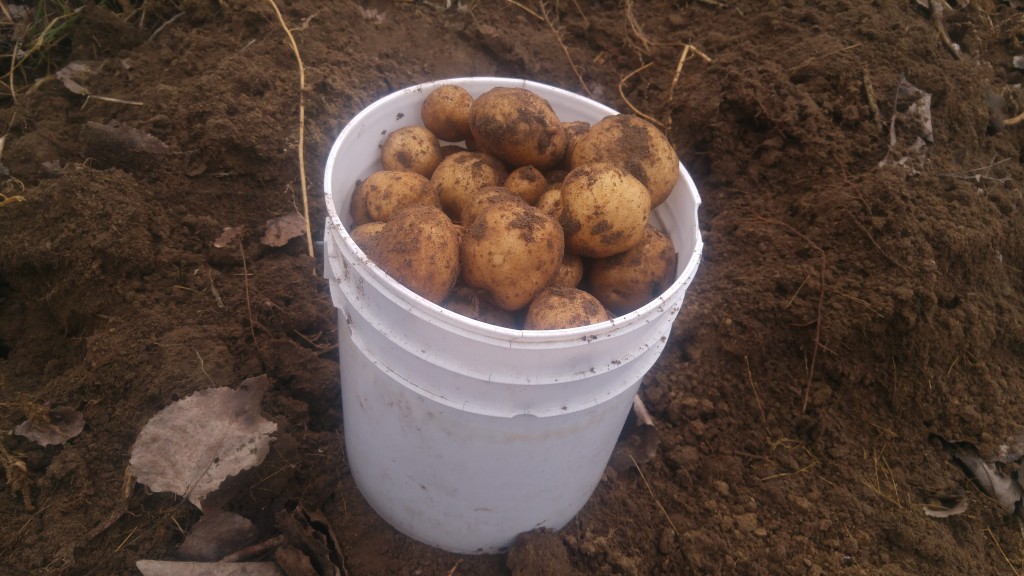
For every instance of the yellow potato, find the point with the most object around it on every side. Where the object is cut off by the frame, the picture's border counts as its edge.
(485, 198)
(445, 112)
(604, 210)
(570, 273)
(527, 182)
(627, 281)
(556, 308)
(365, 235)
(517, 126)
(459, 176)
(511, 251)
(634, 145)
(386, 191)
(419, 248)
(550, 203)
(411, 149)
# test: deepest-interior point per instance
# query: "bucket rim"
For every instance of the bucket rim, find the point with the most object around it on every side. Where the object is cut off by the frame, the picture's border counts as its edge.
(416, 303)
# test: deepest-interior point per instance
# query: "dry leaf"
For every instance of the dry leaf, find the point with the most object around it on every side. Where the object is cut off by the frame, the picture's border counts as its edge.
(228, 237)
(73, 74)
(282, 229)
(311, 533)
(60, 425)
(1006, 491)
(192, 446)
(216, 535)
(944, 508)
(165, 568)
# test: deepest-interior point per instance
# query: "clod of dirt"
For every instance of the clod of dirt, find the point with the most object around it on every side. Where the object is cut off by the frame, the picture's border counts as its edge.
(282, 229)
(539, 553)
(165, 568)
(121, 146)
(55, 427)
(310, 533)
(216, 535)
(293, 562)
(228, 237)
(192, 446)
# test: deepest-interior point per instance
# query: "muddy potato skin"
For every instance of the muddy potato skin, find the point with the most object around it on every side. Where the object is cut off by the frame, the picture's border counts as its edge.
(484, 199)
(550, 203)
(445, 112)
(461, 175)
(556, 308)
(570, 272)
(517, 126)
(527, 182)
(627, 281)
(365, 235)
(386, 191)
(604, 210)
(419, 247)
(411, 149)
(574, 131)
(511, 252)
(634, 145)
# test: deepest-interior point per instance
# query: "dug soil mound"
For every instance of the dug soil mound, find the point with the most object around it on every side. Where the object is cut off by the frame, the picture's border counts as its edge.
(856, 326)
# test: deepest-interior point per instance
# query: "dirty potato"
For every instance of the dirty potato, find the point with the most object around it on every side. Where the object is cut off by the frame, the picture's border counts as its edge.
(419, 247)
(550, 203)
(527, 182)
(604, 210)
(386, 191)
(517, 126)
(445, 112)
(411, 149)
(511, 252)
(365, 235)
(570, 272)
(627, 281)
(634, 145)
(459, 176)
(556, 308)
(485, 198)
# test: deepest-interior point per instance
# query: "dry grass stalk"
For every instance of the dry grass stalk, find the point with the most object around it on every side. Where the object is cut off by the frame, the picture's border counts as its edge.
(622, 94)
(656, 500)
(302, 127)
(544, 16)
(637, 30)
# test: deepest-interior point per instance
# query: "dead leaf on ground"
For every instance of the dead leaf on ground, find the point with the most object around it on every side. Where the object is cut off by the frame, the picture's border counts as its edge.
(995, 478)
(192, 446)
(55, 427)
(945, 507)
(228, 237)
(168, 568)
(74, 74)
(912, 115)
(217, 534)
(312, 534)
(282, 229)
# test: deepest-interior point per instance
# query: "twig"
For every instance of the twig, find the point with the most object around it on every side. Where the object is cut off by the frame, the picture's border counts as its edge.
(258, 548)
(248, 301)
(213, 289)
(937, 7)
(828, 55)
(525, 9)
(651, 490)
(1000, 548)
(757, 398)
(302, 125)
(869, 94)
(821, 301)
(456, 567)
(565, 49)
(679, 70)
(622, 94)
(642, 414)
(164, 25)
(638, 31)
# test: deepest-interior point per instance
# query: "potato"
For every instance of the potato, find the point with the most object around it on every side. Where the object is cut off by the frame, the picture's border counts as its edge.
(527, 182)
(550, 203)
(461, 175)
(419, 248)
(357, 205)
(469, 302)
(511, 252)
(517, 126)
(411, 149)
(485, 198)
(604, 210)
(570, 272)
(366, 235)
(573, 132)
(556, 308)
(386, 191)
(445, 112)
(627, 281)
(634, 145)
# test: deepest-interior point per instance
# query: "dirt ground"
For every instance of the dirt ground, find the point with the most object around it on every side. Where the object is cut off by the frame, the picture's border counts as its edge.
(860, 299)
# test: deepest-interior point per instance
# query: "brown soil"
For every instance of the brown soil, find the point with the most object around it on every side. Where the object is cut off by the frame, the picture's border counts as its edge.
(900, 284)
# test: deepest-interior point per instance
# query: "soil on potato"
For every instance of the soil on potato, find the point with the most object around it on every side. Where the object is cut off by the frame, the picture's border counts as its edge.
(861, 292)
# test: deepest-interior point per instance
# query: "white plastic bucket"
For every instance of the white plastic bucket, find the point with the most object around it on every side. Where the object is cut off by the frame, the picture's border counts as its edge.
(459, 433)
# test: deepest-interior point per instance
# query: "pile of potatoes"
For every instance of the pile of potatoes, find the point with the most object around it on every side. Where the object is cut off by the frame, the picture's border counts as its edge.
(532, 223)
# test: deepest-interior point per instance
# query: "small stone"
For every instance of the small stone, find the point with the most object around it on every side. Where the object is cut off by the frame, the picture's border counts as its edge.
(760, 533)
(747, 522)
(721, 487)
(802, 503)
(667, 542)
